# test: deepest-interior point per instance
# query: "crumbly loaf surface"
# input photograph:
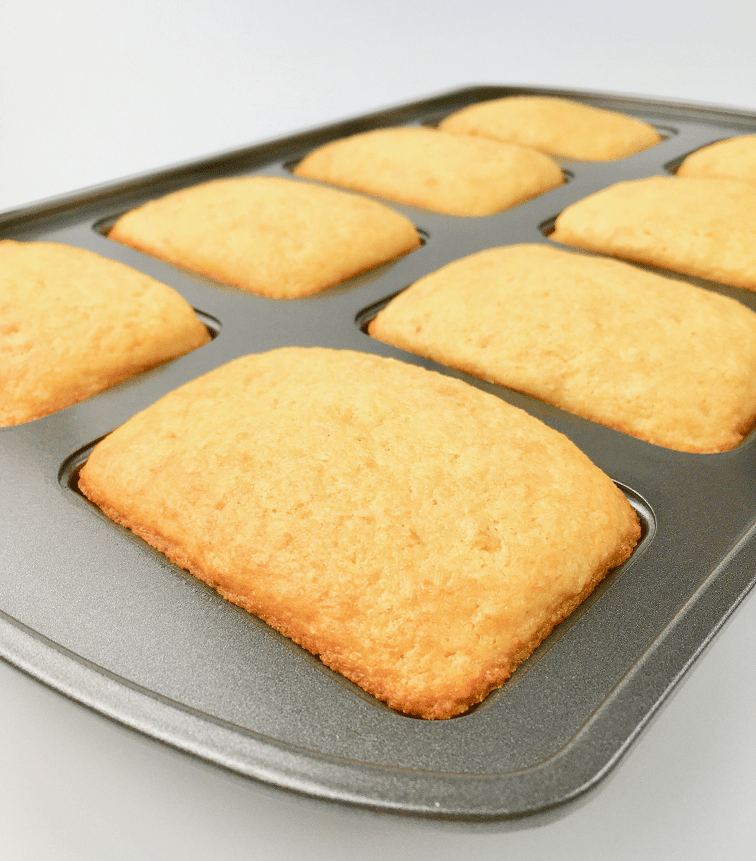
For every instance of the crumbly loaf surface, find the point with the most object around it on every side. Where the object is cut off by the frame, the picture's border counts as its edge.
(734, 158)
(427, 168)
(272, 236)
(561, 127)
(659, 359)
(73, 323)
(700, 227)
(419, 535)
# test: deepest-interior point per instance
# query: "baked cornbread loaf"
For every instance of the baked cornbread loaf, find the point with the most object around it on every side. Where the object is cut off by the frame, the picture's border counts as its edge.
(272, 236)
(424, 167)
(561, 127)
(656, 358)
(419, 535)
(73, 323)
(700, 227)
(734, 158)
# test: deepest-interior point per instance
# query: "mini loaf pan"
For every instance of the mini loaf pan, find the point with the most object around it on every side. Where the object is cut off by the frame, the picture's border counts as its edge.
(95, 613)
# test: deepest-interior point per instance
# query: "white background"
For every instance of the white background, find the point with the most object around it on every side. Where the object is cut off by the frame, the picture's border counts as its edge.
(91, 92)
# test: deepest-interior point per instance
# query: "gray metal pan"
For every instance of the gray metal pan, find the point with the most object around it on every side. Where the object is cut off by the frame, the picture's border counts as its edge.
(96, 614)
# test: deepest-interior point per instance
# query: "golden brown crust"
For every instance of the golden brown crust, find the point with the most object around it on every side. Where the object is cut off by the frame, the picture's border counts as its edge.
(417, 534)
(423, 167)
(268, 235)
(700, 227)
(656, 358)
(561, 127)
(73, 323)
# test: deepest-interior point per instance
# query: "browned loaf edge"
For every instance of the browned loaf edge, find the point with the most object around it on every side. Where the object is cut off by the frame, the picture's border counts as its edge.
(433, 709)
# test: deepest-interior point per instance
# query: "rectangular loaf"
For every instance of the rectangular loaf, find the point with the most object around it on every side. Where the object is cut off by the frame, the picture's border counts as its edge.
(269, 235)
(422, 537)
(654, 357)
(731, 158)
(559, 126)
(694, 226)
(455, 175)
(73, 323)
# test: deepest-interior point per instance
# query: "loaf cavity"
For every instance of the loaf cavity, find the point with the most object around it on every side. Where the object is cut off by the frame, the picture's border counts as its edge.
(733, 158)
(423, 167)
(73, 323)
(700, 227)
(562, 127)
(421, 536)
(272, 236)
(654, 357)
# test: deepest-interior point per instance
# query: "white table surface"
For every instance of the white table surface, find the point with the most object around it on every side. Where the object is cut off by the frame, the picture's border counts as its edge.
(91, 92)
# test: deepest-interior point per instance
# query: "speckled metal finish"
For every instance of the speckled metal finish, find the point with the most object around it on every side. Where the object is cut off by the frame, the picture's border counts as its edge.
(95, 613)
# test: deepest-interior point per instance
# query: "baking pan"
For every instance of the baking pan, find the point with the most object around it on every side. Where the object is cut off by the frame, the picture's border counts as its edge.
(95, 613)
